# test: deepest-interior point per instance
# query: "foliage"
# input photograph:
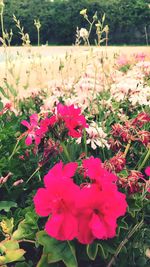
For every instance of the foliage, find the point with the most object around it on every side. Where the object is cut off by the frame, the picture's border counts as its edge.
(127, 19)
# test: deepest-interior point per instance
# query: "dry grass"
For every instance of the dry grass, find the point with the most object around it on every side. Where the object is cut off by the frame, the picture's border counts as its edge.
(27, 69)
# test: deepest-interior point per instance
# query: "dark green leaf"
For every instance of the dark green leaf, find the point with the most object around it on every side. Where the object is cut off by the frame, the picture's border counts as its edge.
(7, 205)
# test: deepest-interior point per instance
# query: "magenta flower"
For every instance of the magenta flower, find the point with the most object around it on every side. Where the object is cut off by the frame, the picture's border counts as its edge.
(58, 200)
(99, 211)
(98, 203)
(74, 121)
(147, 171)
(85, 212)
(95, 171)
(31, 133)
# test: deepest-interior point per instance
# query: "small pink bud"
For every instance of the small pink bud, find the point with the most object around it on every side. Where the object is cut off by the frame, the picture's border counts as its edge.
(18, 182)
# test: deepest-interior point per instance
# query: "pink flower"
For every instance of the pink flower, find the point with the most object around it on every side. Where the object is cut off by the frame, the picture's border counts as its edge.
(95, 171)
(99, 211)
(140, 56)
(141, 119)
(116, 163)
(8, 106)
(84, 212)
(32, 128)
(98, 204)
(144, 137)
(58, 200)
(74, 121)
(147, 171)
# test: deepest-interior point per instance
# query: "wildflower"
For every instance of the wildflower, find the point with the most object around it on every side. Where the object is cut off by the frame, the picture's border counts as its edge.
(122, 61)
(83, 33)
(1, 6)
(83, 12)
(140, 56)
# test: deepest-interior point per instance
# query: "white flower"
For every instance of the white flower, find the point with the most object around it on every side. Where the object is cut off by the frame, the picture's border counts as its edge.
(96, 136)
(83, 33)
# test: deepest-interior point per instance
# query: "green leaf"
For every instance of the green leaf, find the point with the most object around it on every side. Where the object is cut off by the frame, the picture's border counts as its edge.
(7, 205)
(12, 90)
(7, 225)
(10, 251)
(100, 247)
(133, 207)
(93, 249)
(3, 92)
(122, 225)
(1, 105)
(27, 227)
(43, 261)
(57, 250)
(22, 264)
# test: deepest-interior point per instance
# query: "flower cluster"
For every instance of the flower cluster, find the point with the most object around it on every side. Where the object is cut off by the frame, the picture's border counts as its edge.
(72, 206)
(131, 131)
(134, 182)
(67, 119)
(116, 163)
(72, 118)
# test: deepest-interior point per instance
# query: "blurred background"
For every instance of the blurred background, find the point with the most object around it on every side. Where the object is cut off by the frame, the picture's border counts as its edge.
(128, 20)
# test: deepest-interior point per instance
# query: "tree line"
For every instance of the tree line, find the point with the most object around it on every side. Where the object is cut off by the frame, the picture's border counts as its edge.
(128, 20)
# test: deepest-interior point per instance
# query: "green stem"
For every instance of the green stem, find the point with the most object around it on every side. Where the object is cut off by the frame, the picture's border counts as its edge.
(2, 24)
(85, 144)
(127, 148)
(144, 161)
(122, 244)
(66, 152)
(38, 37)
(33, 174)
(27, 240)
(14, 150)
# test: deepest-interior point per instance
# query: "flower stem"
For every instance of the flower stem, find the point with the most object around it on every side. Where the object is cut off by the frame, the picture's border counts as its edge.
(27, 240)
(14, 150)
(144, 161)
(85, 144)
(38, 30)
(122, 244)
(2, 24)
(33, 174)
(127, 148)
(66, 152)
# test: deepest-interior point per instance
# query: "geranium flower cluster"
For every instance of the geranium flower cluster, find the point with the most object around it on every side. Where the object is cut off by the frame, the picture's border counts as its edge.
(135, 182)
(131, 131)
(87, 210)
(67, 119)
